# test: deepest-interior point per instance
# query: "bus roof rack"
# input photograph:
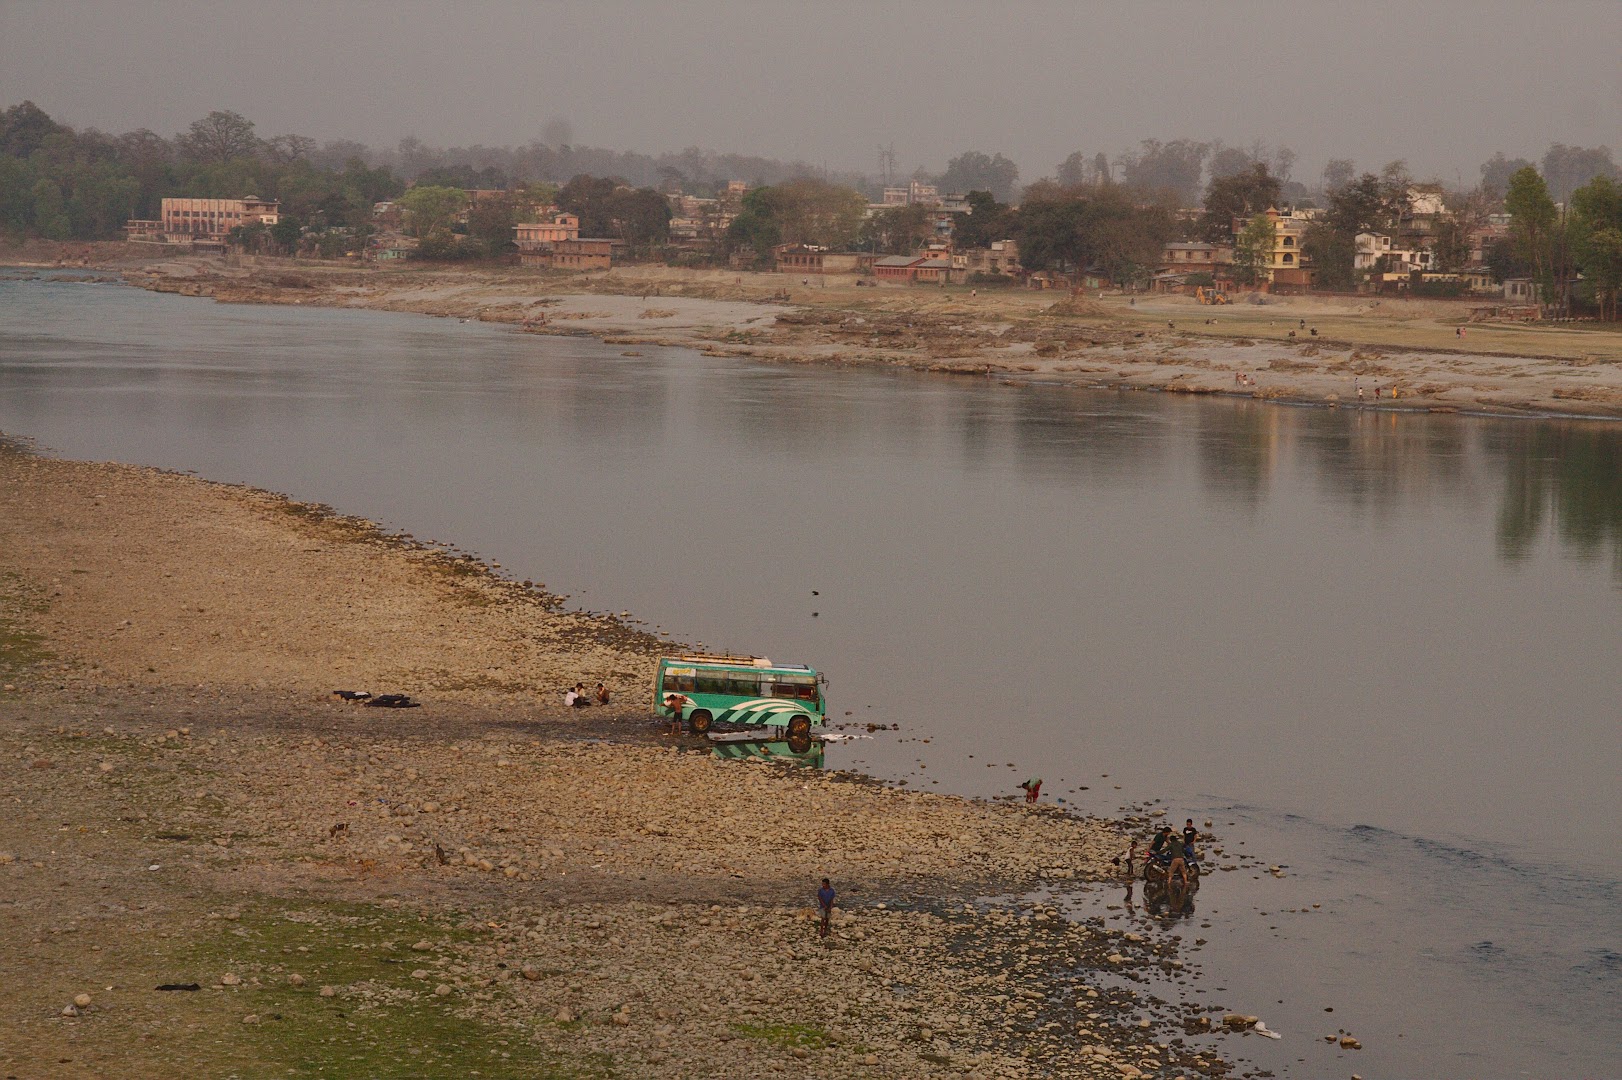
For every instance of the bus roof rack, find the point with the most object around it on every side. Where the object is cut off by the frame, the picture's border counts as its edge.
(723, 658)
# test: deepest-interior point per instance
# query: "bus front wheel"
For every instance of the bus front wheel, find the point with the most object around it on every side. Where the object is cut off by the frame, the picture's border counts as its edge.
(799, 727)
(699, 721)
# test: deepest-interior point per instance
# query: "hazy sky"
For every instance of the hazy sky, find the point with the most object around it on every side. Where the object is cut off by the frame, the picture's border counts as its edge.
(1442, 83)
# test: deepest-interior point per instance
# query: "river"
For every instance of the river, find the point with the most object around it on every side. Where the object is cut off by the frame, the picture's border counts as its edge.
(1382, 650)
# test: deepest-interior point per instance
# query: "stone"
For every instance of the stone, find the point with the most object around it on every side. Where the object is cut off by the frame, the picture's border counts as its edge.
(564, 1015)
(442, 990)
(420, 973)
(82, 1000)
(329, 991)
(295, 979)
(1349, 1043)
(70, 1010)
(422, 946)
(228, 979)
(530, 973)
(251, 1018)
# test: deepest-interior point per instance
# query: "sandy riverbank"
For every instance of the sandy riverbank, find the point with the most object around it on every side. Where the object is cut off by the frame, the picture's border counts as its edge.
(489, 882)
(1344, 352)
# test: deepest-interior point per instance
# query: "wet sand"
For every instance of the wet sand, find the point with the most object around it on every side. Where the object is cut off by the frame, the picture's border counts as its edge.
(489, 881)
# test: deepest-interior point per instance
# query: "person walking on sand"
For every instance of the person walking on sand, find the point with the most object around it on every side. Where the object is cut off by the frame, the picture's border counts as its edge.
(825, 903)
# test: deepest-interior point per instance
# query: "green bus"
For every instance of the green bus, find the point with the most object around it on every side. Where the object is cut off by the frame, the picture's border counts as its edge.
(748, 691)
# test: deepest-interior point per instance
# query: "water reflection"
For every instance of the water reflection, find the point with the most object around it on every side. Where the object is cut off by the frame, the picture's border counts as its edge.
(1567, 473)
(790, 751)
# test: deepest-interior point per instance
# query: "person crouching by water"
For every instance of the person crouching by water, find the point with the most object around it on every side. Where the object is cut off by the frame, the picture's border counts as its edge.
(674, 703)
(825, 903)
(1168, 843)
(1033, 788)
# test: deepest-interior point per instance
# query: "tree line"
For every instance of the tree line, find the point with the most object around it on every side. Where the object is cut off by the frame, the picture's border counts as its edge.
(1114, 214)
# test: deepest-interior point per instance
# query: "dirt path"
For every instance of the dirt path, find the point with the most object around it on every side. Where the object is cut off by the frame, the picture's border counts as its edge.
(485, 885)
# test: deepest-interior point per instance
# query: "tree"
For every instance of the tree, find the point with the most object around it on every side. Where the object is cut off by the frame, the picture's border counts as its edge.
(1237, 195)
(1253, 250)
(491, 219)
(986, 221)
(218, 137)
(1078, 170)
(286, 232)
(1074, 228)
(1466, 213)
(1505, 261)
(1166, 170)
(23, 127)
(1566, 168)
(590, 198)
(640, 217)
(809, 211)
(50, 211)
(1337, 174)
(1496, 172)
(900, 230)
(1532, 223)
(428, 208)
(286, 149)
(1597, 241)
(975, 171)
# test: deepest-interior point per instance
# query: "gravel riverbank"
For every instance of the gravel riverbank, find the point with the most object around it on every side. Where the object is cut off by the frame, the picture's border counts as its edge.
(488, 884)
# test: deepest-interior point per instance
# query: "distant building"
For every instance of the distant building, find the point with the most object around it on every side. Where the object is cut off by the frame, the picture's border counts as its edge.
(533, 236)
(1000, 257)
(805, 259)
(915, 193)
(583, 254)
(1196, 258)
(190, 221)
(929, 269)
(1370, 248)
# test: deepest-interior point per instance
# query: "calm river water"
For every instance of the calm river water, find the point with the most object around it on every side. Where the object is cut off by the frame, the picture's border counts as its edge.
(1383, 650)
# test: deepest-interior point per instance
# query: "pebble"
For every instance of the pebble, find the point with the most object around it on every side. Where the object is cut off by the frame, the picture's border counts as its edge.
(564, 1015)
(229, 979)
(296, 979)
(442, 990)
(329, 991)
(82, 1000)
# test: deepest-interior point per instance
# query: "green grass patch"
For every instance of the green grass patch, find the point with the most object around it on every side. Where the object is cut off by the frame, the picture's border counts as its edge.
(383, 1023)
(788, 1036)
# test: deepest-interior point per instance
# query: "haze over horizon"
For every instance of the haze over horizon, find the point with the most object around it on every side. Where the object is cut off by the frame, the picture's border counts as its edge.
(1443, 84)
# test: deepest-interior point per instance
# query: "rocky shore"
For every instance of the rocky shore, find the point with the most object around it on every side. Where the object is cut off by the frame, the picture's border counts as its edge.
(215, 865)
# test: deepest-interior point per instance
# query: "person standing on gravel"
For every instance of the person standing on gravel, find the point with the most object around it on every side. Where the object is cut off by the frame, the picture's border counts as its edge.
(825, 901)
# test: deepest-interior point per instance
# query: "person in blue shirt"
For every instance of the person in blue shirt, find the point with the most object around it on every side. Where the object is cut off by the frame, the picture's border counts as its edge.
(825, 901)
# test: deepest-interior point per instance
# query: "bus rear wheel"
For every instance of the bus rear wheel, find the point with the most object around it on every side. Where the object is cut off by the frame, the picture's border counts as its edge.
(799, 727)
(699, 721)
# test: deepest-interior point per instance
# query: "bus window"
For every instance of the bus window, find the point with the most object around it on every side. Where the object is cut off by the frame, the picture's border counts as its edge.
(678, 684)
(797, 691)
(742, 685)
(711, 682)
